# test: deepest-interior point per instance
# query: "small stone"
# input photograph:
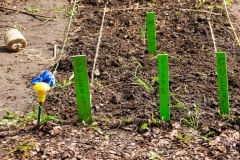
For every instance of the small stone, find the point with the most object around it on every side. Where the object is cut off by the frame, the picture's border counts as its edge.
(214, 142)
(65, 155)
(156, 131)
(174, 35)
(227, 23)
(139, 138)
(236, 135)
(201, 18)
(176, 125)
(112, 152)
(115, 63)
(166, 13)
(205, 129)
(178, 28)
(96, 72)
(173, 134)
(147, 134)
(181, 152)
(57, 128)
(33, 153)
(116, 99)
(222, 149)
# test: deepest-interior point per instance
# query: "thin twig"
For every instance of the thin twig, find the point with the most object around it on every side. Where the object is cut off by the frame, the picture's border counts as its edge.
(128, 9)
(234, 32)
(194, 10)
(24, 12)
(54, 51)
(212, 34)
(98, 44)
(211, 30)
(66, 35)
(77, 29)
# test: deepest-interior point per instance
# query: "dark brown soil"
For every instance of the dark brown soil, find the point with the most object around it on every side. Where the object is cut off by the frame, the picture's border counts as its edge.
(186, 37)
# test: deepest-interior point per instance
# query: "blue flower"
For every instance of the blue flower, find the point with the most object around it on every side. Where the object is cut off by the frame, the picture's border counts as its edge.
(46, 77)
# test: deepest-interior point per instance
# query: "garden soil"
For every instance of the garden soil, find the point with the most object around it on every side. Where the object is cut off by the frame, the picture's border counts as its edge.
(126, 112)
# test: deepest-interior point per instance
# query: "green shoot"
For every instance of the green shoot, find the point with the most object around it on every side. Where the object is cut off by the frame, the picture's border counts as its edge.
(204, 48)
(156, 56)
(17, 121)
(210, 8)
(133, 63)
(202, 74)
(179, 104)
(10, 115)
(219, 7)
(228, 118)
(45, 118)
(105, 119)
(144, 127)
(184, 137)
(205, 137)
(65, 83)
(125, 121)
(94, 127)
(97, 83)
(200, 3)
(228, 2)
(60, 8)
(9, 119)
(17, 27)
(22, 148)
(122, 122)
(153, 155)
(141, 82)
(31, 115)
(154, 79)
(110, 133)
(155, 121)
(176, 75)
(33, 10)
(192, 119)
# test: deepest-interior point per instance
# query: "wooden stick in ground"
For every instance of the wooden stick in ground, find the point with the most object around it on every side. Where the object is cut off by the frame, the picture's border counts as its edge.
(211, 30)
(194, 10)
(212, 34)
(24, 12)
(98, 44)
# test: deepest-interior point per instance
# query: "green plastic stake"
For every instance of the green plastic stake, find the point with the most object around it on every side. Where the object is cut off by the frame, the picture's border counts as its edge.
(82, 88)
(222, 82)
(39, 113)
(163, 77)
(151, 31)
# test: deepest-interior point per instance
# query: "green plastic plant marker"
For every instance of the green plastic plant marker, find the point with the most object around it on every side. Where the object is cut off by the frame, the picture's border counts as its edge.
(151, 31)
(163, 77)
(82, 88)
(222, 82)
